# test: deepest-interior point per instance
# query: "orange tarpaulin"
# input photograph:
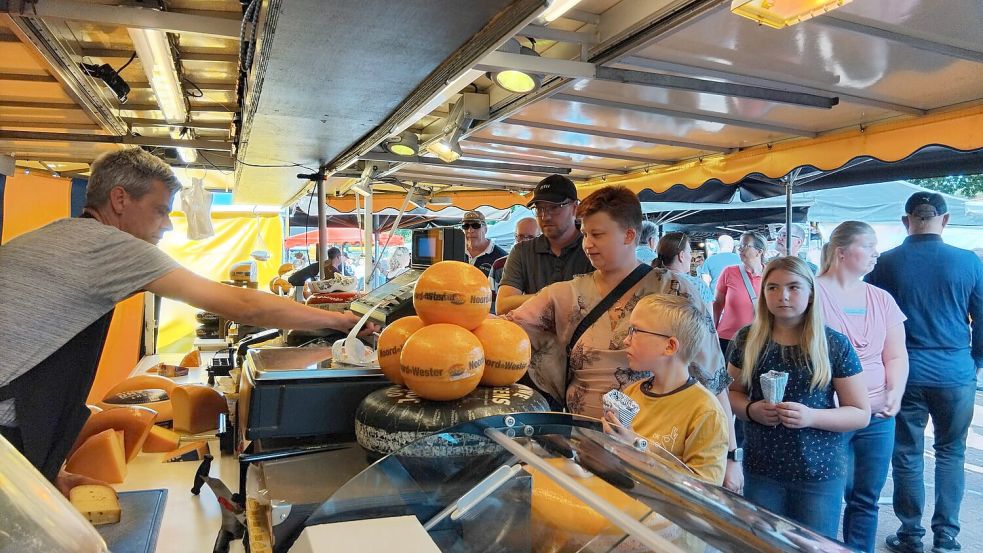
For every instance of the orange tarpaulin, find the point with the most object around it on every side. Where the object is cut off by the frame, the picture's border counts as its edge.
(338, 236)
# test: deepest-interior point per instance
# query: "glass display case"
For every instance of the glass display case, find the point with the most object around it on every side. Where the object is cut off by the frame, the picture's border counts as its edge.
(553, 482)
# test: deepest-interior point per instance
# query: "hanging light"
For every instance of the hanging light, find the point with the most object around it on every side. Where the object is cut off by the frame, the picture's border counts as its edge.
(515, 80)
(556, 9)
(154, 52)
(779, 14)
(446, 148)
(406, 144)
(467, 109)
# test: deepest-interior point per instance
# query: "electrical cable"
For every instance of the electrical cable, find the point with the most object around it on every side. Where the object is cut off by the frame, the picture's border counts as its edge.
(124, 66)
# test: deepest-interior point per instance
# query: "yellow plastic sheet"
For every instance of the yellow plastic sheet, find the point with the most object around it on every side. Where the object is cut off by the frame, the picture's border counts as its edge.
(236, 236)
(32, 201)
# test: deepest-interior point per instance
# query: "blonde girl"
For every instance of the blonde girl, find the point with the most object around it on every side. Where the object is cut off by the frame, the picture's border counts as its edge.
(794, 449)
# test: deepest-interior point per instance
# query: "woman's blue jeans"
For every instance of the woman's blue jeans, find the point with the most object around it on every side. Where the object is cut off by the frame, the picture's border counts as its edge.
(815, 505)
(868, 458)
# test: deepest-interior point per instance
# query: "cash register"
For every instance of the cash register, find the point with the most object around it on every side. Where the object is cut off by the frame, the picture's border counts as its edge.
(394, 299)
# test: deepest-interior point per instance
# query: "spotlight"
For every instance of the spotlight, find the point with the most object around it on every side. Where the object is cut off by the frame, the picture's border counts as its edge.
(514, 80)
(108, 75)
(557, 8)
(406, 144)
(446, 148)
(465, 111)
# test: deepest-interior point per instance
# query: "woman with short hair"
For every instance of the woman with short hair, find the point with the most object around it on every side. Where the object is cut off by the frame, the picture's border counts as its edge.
(738, 288)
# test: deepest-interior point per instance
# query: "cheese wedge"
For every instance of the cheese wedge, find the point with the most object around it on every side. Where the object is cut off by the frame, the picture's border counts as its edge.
(134, 421)
(101, 457)
(194, 451)
(161, 440)
(196, 408)
(192, 359)
(98, 504)
(146, 390)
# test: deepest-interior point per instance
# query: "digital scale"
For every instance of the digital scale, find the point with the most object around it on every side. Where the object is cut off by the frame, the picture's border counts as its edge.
(395, 298)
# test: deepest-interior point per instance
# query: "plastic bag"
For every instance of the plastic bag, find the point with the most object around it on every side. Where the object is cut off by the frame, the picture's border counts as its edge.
(197, 205)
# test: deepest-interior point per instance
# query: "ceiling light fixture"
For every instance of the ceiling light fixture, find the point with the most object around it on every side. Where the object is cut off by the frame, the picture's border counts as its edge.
(154, 51)
(514, 80)
(556, 9)
(469, 107)
(405, 144)
(785, 13)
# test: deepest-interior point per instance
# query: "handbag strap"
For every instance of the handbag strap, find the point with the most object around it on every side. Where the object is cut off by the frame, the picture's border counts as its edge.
(602, 306)
(748, 287)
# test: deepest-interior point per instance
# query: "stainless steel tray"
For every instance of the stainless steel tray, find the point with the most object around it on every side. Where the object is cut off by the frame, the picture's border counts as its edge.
(286, 363)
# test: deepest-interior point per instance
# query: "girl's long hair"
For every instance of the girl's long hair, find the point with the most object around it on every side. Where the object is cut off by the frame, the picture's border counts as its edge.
(843, 235)
(812, 344)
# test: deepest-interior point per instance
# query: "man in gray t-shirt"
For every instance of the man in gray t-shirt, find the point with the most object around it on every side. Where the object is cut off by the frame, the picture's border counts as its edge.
(554, 256)
(60, 283)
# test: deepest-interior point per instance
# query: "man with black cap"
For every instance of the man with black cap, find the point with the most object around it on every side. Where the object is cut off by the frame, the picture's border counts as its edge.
(940, 288)
(554, 256)
(482, 252)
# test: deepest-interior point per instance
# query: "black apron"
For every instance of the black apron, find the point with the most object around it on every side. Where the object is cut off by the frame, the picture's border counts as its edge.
(50, 399)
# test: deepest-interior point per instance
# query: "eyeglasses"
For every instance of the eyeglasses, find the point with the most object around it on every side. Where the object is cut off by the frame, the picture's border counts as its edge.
(524, 237)
(743, 247)
(466, 226)
(632, 330)
(543, 208)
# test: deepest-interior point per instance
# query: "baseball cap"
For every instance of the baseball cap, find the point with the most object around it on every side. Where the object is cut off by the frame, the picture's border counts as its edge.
(555, 189)
(926, 205)
(473, 217)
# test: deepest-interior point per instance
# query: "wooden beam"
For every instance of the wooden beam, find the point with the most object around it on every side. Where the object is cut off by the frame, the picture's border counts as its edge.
(37, 105)
(138, 122)
(20, 78)
(49, 125)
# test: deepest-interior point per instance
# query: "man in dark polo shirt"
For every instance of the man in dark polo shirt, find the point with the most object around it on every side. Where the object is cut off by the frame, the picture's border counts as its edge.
(554, 256)
(481, 251)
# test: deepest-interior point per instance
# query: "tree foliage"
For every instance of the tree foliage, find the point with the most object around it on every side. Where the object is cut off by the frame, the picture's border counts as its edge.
(959, 185)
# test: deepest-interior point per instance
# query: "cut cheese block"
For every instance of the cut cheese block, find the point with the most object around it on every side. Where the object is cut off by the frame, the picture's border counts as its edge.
(98, 504)
(101, 457)
(169, 371)
(93, 409)
(134, 421)
(145, 390)
(196, 408)
(192, 359)
(194, 451)
(161, 440)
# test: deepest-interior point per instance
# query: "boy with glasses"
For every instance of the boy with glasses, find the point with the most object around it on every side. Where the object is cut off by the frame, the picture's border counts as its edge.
(676, 412)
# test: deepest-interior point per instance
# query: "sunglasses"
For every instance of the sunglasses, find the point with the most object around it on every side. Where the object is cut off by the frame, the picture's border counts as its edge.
(632, 330)
(467, 226)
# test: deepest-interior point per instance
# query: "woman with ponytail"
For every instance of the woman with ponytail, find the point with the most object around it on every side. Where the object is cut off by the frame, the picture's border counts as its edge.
(674, 252)
(874, 323)
(794, 448)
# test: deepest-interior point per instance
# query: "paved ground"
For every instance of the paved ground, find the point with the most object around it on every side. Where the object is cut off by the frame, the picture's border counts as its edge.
(971, 515)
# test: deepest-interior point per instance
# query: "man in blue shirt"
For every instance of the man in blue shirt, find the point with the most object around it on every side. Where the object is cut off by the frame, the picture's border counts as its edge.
(940, 289)
(716, 263)
(645, 251)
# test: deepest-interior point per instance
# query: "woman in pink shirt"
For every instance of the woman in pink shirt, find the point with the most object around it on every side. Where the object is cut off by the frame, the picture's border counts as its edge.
(733, 304)
(873, 322)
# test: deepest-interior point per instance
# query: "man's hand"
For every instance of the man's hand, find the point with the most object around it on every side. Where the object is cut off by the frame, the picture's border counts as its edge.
(65, 481)
(734, 477)
(794, 415)
(892, 404)
(348, 320)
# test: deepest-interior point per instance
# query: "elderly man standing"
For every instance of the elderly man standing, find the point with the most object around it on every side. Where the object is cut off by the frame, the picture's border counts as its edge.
(940, 288)
(555, 256)
(53, 329)
(525, 229)
(716, 263)
(789, 242)
(645, 251)
(482, 252)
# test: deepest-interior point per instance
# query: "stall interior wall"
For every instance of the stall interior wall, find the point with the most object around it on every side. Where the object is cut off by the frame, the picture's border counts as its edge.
(32, 201)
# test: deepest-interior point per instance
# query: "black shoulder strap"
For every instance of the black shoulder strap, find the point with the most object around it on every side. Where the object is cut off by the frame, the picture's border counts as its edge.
(614, 295)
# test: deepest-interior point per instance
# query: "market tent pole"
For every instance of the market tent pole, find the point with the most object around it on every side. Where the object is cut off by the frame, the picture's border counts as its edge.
(368, 245)
(789, 185)
(322, 224)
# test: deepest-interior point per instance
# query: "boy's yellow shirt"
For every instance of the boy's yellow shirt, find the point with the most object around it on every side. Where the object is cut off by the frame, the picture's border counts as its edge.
(689, 423)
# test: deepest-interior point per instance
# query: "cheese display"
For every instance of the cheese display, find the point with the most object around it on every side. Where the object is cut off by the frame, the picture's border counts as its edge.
(194, 451)
(101, 457)
(191, 359)
(507, 352)
(280, 286)
(285, 268)
(98, 504)
(135, 423)
(390, 345)
(196, 408)
(161, 440)
(442, 362)
(452, 292)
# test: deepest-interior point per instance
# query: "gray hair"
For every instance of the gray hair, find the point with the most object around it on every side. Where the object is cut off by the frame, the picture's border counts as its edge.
(648, 231)
(133, 169)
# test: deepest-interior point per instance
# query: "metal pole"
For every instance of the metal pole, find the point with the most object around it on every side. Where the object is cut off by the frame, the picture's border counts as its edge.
(322, 224)
(789, 184)
(368, 244)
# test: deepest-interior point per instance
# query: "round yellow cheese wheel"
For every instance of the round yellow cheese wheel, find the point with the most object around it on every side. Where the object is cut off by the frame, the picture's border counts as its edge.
(507, 352)
(390, 345)
(453, 292)
(442, 362)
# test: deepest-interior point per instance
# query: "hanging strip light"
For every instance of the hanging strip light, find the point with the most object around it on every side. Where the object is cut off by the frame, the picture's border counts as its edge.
(154, 52)
(556, 9)
(783, 13)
